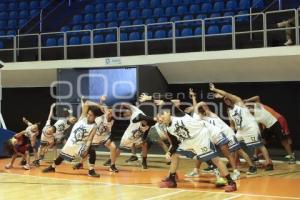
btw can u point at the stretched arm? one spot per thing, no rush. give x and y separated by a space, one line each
174 144
91 136
252 99
231 122
51 111
26 121
233 98
193 97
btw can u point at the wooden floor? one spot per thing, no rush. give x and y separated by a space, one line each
132 183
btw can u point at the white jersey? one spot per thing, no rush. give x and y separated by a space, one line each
46 138
263 116
103 131
30 134
242 118
61 125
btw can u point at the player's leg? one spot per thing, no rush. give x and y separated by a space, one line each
92 161
252 169
11 162
196 171
114 153
170 181
226 152
133 156
27 157
144 146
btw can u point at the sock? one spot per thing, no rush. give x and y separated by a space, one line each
91 167
229 180
144 159
217 173
113 165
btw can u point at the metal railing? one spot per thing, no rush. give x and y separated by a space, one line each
262 29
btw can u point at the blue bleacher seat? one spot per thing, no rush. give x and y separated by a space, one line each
112 24
188 2
176 2
182 10
110 37
99 8
149 21
158 12
154 3
121 5
88 27
198 31
23 5
218 7
149 35
88 18
188 17
213 29
1 45
76 27
231 5
11 32
64 29
215 21
134 14
206 8
170 11
201 16
137 22
13 14
22 22
98 39
100 17
85 39
187 32
160 34
99 1
175 18
3 25
146 13
228 14
123 36
34 5
112 16
89 9
12 24
125 23
132 5
243 18
34 13
162 20
144 4
12 6
244 4
166 3
44 3
134 36
110 6
3 15
258 4
123 15
2 6
77 19
100 25
226 29
23 14
50 42
194 9
60 41
201 1
170 33
2 33
74 40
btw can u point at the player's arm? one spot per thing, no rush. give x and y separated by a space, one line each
235 99
17 135
26 121
252 99
231 122
91 136
50 113
174 144
192 95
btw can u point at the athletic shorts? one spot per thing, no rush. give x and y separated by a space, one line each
22 148
200 147
250 136
128 142
274 130
100 139
284 125
71 151
46 141
154 136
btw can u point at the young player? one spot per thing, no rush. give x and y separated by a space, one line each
245 124
273 123
79 142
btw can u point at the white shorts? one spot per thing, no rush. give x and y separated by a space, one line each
233 141
127 141
250 136
200 147
100 139
71 151
47 140
59 136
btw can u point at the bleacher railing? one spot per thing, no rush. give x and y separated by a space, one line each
263 28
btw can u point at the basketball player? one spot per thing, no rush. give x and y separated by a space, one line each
245 124
79 142
47 137
203 112
135 136
19 146
274 124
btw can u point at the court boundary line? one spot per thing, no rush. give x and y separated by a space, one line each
152 187
165 195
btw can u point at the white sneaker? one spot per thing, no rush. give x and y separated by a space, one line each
26 167
288 43
8 166
289 156
235 175
192 174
